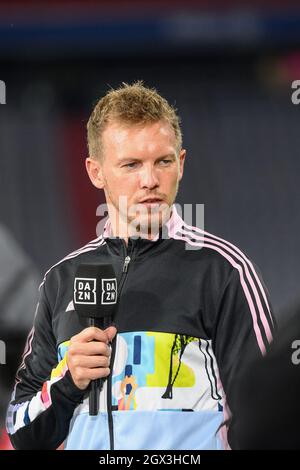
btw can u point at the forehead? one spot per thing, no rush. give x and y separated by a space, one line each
149 137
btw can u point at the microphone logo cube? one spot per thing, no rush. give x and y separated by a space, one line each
85 290
109 291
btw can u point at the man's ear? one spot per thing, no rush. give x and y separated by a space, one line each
94 170
181 162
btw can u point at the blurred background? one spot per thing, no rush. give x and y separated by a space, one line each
227 66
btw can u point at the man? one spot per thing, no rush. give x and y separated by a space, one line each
187 319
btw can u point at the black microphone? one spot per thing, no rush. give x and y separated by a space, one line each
95 299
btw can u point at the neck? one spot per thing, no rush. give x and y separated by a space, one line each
121 228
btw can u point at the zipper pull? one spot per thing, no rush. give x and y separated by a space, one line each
126 263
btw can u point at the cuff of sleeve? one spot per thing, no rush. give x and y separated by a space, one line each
69 389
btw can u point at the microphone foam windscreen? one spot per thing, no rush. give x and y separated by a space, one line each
95 290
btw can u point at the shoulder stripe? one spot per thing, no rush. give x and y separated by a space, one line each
206 243
93 245
245 262
239 253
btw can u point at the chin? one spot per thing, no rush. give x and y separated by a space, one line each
152 224
150 219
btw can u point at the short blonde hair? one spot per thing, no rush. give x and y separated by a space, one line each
130 105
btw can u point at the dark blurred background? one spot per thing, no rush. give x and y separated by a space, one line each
227 66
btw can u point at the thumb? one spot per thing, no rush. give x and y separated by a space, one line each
111 332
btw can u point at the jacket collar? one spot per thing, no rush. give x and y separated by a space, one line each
141 245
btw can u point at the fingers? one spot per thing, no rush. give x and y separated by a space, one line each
88 356
91 333
94 374
82 376
89 349
111 332
91 362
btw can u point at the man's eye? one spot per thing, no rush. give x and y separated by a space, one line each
165 161
130 165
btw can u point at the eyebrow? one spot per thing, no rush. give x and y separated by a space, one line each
134 159
170 155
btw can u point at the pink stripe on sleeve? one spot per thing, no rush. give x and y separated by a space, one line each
243 283
249 278
236 249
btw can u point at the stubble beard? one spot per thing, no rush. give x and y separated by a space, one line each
138 220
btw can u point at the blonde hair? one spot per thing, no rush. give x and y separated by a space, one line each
130 105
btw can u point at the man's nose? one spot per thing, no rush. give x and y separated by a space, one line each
149 178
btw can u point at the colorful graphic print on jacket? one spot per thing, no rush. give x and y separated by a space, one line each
163 371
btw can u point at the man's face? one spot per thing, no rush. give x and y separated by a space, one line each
140 166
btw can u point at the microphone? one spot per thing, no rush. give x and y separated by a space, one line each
95 299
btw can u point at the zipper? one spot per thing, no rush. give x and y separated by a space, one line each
126 263
127 260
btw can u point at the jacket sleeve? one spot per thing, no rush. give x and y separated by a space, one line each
243 332
44 397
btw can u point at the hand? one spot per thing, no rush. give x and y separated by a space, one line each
88 356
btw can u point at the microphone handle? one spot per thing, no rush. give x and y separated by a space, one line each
96 385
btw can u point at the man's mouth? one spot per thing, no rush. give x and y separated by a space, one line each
152 200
